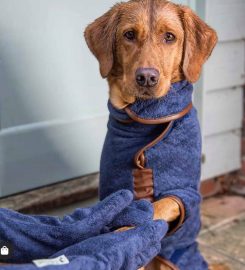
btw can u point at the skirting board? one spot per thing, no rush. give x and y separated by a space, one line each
47 153
77 190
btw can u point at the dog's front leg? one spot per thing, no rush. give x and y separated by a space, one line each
171 210
167 209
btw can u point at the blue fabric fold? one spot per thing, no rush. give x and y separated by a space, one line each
131 249
135 214
35 237
175 161
128 250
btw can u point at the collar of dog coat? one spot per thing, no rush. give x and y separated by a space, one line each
174 105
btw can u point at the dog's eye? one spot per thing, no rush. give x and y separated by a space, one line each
130 35
169 37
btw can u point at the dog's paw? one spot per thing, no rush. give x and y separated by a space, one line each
218 267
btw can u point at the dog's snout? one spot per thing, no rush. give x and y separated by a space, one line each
147 77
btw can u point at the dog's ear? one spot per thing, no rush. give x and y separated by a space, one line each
200 40
100 38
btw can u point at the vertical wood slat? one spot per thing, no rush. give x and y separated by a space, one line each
222 153
226 66
221 81
223 111
227 17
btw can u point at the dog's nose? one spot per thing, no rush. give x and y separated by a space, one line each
147 77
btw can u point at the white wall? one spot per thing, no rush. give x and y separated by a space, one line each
52 99
221 87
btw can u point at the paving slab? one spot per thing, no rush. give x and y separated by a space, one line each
228 239
217 211
225 244
221 261
222 238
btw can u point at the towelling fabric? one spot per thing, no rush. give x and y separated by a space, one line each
153 148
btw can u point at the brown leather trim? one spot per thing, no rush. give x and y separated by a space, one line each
167 263
139 158
143 184
174 226
162 120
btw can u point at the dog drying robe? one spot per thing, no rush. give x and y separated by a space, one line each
153 148
38 237
81 239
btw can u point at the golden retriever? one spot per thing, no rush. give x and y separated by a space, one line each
143 46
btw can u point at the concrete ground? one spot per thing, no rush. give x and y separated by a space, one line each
222 238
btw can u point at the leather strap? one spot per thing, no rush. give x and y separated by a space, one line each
139 158
167 263
143 178
143 184
161 120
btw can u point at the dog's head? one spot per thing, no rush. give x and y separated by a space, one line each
145 45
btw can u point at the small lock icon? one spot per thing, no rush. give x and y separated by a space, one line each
4 251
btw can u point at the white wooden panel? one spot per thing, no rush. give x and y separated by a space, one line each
220 101
227 18
222 154
223 110
46 69
45 153
52 97
225 68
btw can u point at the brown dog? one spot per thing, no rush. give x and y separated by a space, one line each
143 46
170 40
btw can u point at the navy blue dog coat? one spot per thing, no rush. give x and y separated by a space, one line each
153 148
